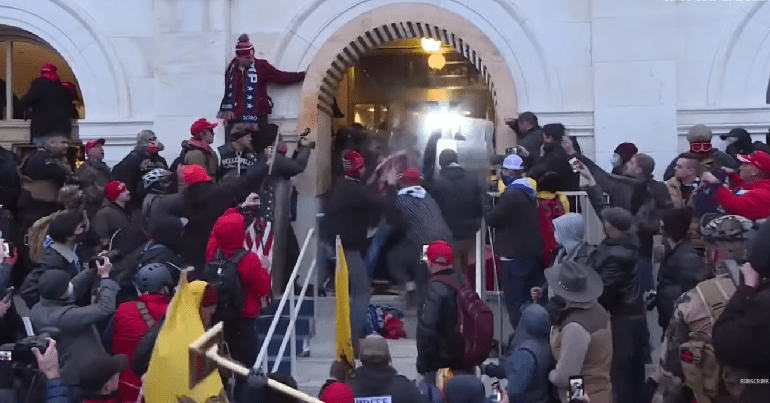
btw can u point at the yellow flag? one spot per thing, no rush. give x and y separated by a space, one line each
168 375
344 339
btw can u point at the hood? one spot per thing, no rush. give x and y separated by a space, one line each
453 172
534 324
229 232
465 389
374 380
167 231
569 230
623 248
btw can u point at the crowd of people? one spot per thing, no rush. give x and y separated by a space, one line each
97 254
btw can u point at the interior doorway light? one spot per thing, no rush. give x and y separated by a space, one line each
430 44
436 61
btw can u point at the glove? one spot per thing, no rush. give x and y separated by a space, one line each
256 385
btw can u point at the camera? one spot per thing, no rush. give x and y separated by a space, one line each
114 255
20 353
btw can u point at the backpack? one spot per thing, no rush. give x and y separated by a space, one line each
547 210
475 322
702 372
224 278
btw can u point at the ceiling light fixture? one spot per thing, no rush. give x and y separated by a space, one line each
430 44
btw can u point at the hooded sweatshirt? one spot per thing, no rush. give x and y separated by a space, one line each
569 230
531 359
384 381
464 389
228 235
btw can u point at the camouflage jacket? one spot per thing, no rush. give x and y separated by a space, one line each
690 315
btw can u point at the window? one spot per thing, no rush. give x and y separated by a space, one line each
21 56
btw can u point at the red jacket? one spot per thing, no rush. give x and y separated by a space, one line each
753 202
129 327
228 234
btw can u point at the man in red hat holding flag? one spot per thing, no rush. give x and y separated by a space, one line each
246 80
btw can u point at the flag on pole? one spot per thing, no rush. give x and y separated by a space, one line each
168 374
344 338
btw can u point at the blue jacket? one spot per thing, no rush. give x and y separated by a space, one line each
56 391
530 359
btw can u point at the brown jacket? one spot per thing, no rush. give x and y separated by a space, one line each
196 156
598 359
93 176
675 190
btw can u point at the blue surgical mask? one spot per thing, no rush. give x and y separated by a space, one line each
507 180
616 161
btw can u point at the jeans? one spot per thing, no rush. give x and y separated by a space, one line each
358 283
242 338
375 247
519 276
644 264
630 338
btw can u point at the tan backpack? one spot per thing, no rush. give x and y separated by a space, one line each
709 380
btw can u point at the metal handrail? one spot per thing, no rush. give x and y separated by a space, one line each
262 357
291 332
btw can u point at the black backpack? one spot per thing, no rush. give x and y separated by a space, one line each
223 276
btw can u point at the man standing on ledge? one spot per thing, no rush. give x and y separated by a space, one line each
246 80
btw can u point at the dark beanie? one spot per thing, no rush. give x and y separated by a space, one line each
464 389
626 151
447 157
167 231
759 253
53 284
676 223
618 217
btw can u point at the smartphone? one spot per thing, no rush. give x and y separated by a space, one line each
511 150
576 389
575 164
9 293
7 249
425 253
498 393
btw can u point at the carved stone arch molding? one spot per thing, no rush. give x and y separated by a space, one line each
70 30
741 66
329 37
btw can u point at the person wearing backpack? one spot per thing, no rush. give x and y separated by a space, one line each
134 318
240 282
439 343
689 366
551 204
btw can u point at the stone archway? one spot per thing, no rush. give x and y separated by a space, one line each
733 81
69 29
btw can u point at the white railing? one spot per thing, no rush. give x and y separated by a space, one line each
262 357
582 205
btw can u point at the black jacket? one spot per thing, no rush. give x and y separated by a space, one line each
40 165
532 141
517 229
461 199
648 201
556 160
130 171
615 260
51 105
681 270
202 205
383 381
740 337
234 163
349 209
439 345
50 259
157 206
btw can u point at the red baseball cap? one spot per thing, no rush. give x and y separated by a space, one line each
440 252
759 159
201 125
411 177
193 174
93 143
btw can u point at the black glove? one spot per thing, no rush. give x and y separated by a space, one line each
256 385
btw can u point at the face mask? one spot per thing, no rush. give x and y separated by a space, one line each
507 180
616 161
153 149
732 140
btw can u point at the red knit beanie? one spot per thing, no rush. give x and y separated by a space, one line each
338 393
193 174
244 47
113 190
353 164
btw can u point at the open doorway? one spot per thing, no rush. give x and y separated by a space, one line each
403 92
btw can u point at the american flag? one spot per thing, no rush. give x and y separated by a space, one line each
259 240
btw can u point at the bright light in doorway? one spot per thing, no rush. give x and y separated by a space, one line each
443 120
436 61
431 45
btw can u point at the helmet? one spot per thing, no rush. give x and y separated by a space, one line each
153 277
727 237
156 176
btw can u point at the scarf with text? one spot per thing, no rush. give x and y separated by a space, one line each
241 96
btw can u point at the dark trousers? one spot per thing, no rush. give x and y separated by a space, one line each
630 338
242 338
519 276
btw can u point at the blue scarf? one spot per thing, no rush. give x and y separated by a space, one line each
528 191
233 81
